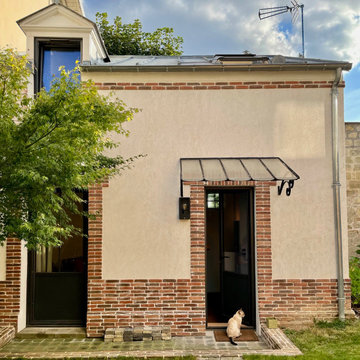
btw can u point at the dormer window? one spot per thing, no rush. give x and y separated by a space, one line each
51 54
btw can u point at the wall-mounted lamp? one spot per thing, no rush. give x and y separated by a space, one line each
184 208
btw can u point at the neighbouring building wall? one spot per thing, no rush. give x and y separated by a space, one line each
147 250
11 11
352 144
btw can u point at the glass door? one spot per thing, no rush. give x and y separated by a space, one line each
57 280
230 256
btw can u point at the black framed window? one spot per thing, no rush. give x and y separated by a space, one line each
50 55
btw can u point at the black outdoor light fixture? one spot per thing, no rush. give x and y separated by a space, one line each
184 208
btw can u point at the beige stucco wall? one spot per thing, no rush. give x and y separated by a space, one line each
3 262
143 237
23 288
11 11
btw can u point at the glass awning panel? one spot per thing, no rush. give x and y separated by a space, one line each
236 169
191 170
257 170
279 169
213 170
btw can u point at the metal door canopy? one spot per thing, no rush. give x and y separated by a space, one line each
238 169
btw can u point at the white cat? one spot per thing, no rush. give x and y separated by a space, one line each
234 325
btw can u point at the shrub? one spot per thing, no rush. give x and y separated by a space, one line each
354 271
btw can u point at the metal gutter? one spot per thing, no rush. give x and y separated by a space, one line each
213 67
336 193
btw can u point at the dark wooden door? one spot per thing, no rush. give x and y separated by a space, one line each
57 290
230 255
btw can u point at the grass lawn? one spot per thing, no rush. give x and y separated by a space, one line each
324 341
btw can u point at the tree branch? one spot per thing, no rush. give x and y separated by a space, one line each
42 136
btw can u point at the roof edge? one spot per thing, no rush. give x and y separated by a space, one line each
218 67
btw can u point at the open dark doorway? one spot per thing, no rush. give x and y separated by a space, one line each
230 270
57 279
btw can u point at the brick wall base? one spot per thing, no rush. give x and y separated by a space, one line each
10 288
297 302
147 303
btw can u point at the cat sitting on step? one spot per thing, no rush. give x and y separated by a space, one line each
234 325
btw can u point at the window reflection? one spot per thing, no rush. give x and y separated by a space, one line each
213 201
69 257
53 58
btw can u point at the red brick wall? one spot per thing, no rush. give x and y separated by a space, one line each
180 303
297 302
222 85
10 288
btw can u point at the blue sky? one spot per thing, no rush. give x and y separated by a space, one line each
332 30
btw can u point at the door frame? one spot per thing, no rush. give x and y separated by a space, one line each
30 321
253 247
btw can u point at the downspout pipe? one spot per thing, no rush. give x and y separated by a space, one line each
336 192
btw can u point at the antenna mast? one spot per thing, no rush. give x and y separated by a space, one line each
294 11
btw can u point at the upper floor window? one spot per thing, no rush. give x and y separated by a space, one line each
51 54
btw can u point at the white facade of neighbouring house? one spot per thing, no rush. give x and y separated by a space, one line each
221 133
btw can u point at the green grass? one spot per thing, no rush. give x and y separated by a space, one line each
324 341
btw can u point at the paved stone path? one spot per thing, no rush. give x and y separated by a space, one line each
202 347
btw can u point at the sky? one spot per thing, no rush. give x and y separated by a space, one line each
209 27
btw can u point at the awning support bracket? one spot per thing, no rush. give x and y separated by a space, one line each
288 190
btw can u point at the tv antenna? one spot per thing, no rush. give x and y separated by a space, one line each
294 11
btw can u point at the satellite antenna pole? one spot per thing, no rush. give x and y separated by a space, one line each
294 11
302 29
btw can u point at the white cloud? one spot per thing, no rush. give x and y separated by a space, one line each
332 28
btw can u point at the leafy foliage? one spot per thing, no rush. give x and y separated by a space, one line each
354 272
130 39
335 324
54 141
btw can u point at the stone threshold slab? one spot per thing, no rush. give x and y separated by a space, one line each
52 332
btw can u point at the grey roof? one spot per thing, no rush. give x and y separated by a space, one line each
221 62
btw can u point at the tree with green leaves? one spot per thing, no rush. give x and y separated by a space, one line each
130 39
56 140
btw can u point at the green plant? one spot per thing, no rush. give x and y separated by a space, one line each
354 272
130 39
335 324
